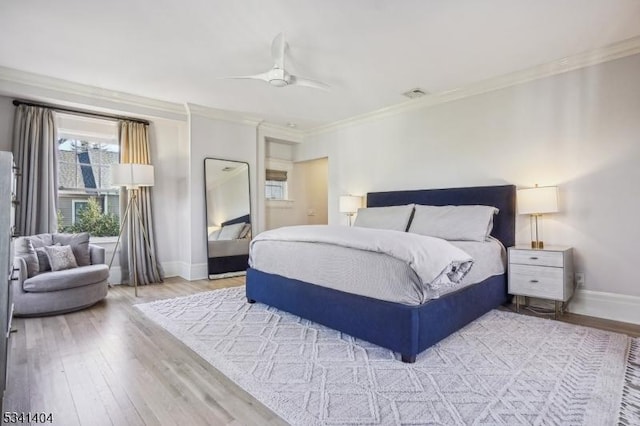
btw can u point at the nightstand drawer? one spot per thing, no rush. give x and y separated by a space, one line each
536 257
535 281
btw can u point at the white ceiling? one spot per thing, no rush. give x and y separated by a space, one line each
369 51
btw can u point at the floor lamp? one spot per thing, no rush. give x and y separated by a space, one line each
132 176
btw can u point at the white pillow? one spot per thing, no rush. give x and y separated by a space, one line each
454 223
214 235
61 257
231 232
245 231
395 218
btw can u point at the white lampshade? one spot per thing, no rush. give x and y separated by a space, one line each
538 200
131 175
350 204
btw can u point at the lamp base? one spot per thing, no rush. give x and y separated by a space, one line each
537 245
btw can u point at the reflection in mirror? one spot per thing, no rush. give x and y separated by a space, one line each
228 212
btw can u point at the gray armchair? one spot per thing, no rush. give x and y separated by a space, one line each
57 292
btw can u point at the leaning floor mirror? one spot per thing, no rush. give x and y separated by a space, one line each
228 210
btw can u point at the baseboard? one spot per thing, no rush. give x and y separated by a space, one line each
115 275
611 306
192 272
199 271
171 269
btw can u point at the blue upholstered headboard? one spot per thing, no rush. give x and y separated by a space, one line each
242 219
503 197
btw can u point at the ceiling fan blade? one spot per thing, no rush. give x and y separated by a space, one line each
263 76
297 81
278 47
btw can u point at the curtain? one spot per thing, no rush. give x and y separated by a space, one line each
134 148
35 152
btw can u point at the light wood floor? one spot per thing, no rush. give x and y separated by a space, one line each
111 365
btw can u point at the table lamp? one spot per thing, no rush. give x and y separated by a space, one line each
349 205
536 202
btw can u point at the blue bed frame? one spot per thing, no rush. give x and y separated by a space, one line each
401 328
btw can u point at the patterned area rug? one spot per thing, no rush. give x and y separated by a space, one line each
503 368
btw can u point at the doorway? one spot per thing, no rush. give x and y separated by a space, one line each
307 196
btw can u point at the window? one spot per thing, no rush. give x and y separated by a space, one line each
86 200
78 207
275 186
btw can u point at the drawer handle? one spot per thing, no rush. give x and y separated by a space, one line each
533 281
533 258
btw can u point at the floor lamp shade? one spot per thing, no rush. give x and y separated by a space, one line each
536 202
132 175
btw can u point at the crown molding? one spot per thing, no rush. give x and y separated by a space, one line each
14 82
10 77
582 60
266 129
285 133
222 114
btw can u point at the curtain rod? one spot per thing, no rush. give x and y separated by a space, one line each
17 102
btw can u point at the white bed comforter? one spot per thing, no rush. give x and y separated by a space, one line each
436 262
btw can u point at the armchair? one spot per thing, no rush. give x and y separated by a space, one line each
57 292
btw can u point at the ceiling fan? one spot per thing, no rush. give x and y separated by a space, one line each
278 75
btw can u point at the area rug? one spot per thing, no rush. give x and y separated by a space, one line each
503 368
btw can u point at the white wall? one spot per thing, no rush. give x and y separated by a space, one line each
211 137
170 161
580 130
283 151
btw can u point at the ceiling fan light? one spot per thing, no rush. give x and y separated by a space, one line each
278 82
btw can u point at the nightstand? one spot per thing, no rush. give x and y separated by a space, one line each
543 273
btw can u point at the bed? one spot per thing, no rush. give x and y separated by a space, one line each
229 255
402 328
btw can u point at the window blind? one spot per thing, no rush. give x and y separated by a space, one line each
276 175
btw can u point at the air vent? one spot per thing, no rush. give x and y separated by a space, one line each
415 93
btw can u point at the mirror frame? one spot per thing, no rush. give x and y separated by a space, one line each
206 214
